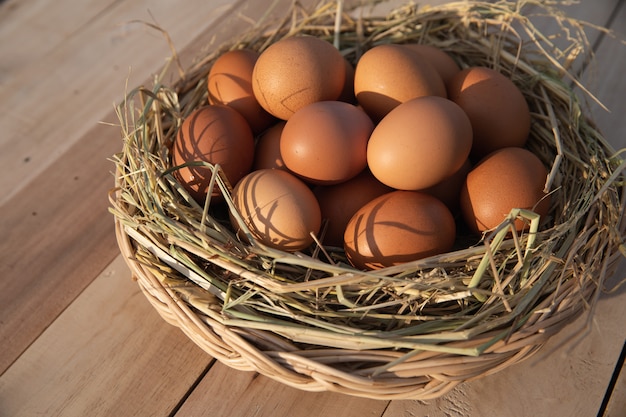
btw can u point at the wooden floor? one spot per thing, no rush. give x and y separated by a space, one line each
77 338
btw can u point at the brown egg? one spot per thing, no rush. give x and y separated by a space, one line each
347 94
398 227
326 142
216 134
339 202
505 179
438 58
449 190
297 71
496 107
230 83
419 143
267 150
389 74
278 208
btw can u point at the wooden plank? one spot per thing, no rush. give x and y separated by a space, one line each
62 210
611 93
589 14
57 235
51 104
33 28
615 398
225 392
108 354
606 80
603 77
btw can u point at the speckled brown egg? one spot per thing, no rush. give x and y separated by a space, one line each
387 75
267 149
326 142
297 71
339 202
278 209
505 179
445 65
398 227
230 83
496 107
419 143
216 134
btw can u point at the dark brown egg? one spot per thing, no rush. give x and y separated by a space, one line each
230 83
496 107
398 227
505 179
347 94
216 134
267 150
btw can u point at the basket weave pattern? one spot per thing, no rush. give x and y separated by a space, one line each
413 331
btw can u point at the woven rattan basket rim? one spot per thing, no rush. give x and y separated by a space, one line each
384 366
425 376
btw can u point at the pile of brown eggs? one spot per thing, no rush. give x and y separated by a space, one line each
387 154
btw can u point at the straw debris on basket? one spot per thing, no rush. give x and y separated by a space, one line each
500 295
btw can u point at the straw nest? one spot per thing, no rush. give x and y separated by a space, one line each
411 331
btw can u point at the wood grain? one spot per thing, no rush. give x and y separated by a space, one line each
606 80
57 236
611 85
39 28
108 354
616 394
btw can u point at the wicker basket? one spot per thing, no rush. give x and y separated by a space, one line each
409 332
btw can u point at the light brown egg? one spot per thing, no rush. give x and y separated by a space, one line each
230 83
278 208
339 202
419 143
295 72
438 58
387 75
267 150
398 227
505 179
496 107
326 142
216 134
